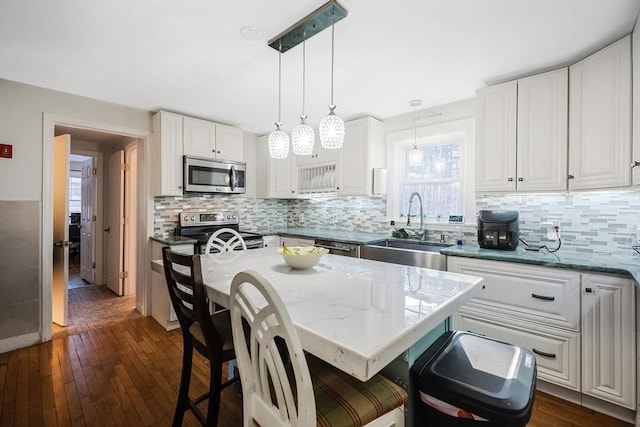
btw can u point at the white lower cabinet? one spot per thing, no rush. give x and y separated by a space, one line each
582 327
557 351
161 308
608 339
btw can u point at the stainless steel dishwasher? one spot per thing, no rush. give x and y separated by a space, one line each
339 248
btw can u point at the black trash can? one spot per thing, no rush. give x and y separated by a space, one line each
465 379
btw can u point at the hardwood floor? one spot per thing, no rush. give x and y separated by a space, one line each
128 374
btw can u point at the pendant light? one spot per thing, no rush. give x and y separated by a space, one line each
279 139
302 135
332 126
415 155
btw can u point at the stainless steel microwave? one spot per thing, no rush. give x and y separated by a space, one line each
213 176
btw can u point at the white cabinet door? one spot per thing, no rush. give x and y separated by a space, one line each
166 154
320 155
496 137
275 178
600 118
271 241
199 138
542 132
635 56
557 351
229 143
363 150
609 336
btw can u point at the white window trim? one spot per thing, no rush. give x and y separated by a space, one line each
396 141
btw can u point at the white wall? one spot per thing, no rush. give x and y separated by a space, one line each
21 112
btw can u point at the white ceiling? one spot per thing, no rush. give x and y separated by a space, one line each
188 56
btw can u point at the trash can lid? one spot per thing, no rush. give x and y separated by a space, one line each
492 378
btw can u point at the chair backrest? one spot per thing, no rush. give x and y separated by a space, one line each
268 383
189 299
223 245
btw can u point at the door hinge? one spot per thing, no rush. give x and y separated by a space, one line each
124 274
94 171
94 218
124 166
93 265
124 221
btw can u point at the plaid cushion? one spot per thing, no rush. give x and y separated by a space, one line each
342 400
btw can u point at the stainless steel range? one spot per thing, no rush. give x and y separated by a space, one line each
200 225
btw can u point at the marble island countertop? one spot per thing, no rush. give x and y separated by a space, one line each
355 314
616 264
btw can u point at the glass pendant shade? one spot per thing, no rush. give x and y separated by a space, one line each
278 143
332 130
415 156
302 138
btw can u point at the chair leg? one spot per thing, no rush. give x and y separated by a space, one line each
185 379
215 382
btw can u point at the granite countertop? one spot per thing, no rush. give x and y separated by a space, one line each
353 237
174 240
626 265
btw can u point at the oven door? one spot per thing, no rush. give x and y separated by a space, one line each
213 176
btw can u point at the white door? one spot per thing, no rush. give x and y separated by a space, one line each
61 149
87 222
113 225
131 213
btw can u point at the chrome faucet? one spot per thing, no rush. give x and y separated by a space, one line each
422 233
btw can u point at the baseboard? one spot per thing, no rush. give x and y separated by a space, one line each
590 402
21 341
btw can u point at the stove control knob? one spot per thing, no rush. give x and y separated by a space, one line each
233 216
192 218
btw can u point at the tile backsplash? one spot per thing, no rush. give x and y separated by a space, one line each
589 222
594 222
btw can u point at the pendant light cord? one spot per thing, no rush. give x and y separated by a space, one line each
280 83
333 24
304 61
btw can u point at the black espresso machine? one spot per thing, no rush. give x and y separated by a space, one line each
498 230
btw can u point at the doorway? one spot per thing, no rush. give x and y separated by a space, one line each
96 143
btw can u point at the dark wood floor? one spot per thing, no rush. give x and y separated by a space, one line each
128 373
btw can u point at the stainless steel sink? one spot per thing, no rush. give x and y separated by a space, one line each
407 252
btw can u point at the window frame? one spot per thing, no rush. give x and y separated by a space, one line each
433 134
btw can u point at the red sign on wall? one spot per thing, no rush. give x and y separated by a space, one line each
6 150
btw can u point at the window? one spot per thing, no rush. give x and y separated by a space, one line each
75 193
444 179
438 179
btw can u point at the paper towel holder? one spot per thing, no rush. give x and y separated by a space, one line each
379 181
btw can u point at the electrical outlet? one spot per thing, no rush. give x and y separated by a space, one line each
357 220
550 226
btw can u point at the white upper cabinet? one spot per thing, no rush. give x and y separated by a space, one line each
166 154
600 119
319 156
521 139
496 137
363 150
229 143
635 46
203 138
275 178
542 132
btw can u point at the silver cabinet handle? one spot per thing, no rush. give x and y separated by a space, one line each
635 163
62 244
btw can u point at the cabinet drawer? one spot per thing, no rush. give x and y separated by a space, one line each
557 351
537 294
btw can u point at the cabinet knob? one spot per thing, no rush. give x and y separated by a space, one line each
588 290
520 179
569 176
218 151
510 179
292 191
635 163
337 188
180 187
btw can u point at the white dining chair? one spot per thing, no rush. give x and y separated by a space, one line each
283 386
225 249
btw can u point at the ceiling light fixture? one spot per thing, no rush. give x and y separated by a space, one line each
415 155
332 126
278 139
302 135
